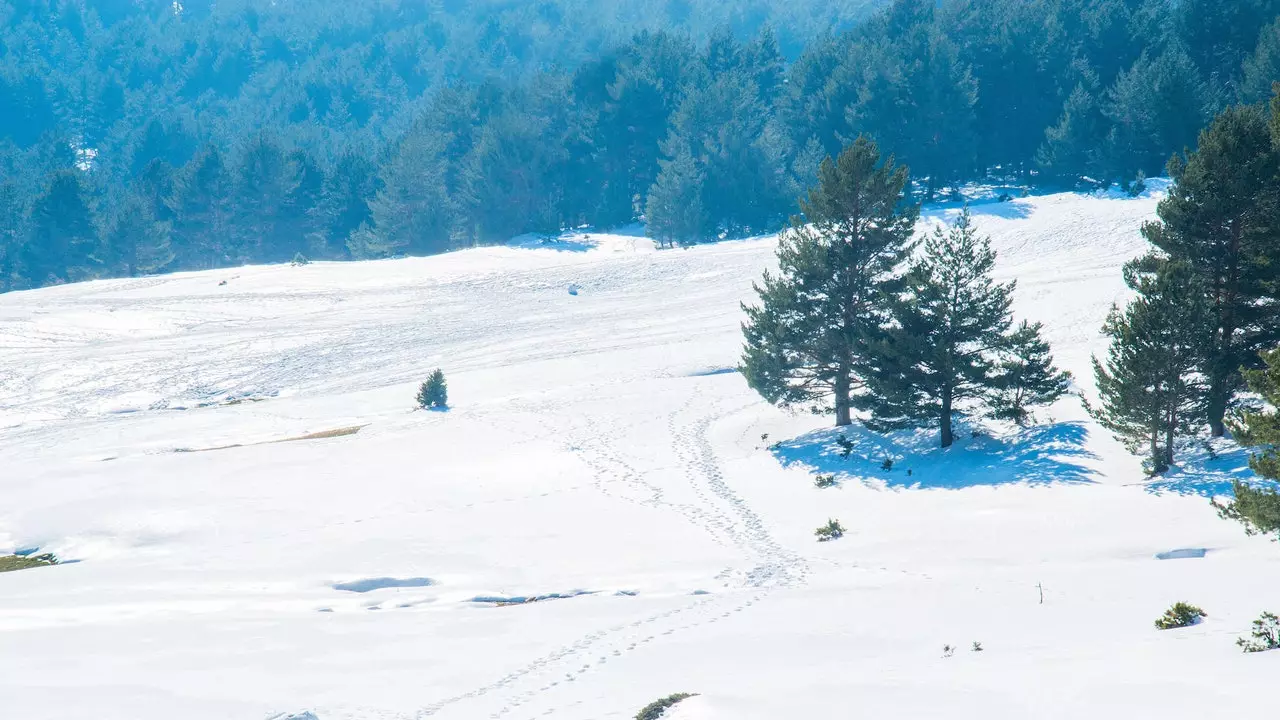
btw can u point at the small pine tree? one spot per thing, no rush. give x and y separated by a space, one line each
1025 377
434 393
1150 387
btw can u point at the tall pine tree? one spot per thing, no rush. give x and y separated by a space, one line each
1150 387
941 356
1220 219
808 341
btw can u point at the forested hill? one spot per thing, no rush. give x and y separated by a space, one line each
144 136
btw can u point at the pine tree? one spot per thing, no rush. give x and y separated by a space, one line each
265 179
940 357
13 221
344 203
411 212
434 393
1025 376
63 238
807 341
1158 104
202 204
1150 388
1258 508
1219 219
1262 68
137 243
674 211
1073 147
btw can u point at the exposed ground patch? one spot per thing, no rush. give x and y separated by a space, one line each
9 563
321 435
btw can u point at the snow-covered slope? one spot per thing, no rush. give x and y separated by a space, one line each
600 448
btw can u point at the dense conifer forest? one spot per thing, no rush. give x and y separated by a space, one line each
145 136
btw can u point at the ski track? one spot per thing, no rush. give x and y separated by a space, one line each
720 513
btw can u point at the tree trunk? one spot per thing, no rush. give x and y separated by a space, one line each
1155 452
947 437
843 417
1217 405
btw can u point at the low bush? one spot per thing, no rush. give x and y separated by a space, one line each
1179 615
655 709
825 481
1265 635
833 530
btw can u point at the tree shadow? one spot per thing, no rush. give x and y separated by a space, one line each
569 242
1042 455
1199 471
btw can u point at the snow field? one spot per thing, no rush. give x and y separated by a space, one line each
594 445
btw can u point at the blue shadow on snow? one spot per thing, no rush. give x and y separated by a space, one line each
1196 471
1041 455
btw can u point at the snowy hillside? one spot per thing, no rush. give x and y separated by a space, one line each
599 448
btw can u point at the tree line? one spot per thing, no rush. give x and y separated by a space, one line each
147 137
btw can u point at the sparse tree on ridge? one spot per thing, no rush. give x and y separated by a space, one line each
1150 387
808 340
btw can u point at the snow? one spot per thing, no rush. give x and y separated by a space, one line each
601 458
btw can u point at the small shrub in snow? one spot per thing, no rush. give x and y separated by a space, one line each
846 446
299 259
434 393
1265 635
948 651
825 481
655 709
977 646
833 530
1179 615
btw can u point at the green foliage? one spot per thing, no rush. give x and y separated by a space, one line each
824 481
1258 428
657 708
833 530
1150 387
1258 509
1265 635
434 393
1219 220
1025 377
808 341
943 354
1180 615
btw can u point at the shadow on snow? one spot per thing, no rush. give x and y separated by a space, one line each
1198 471
1041 455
